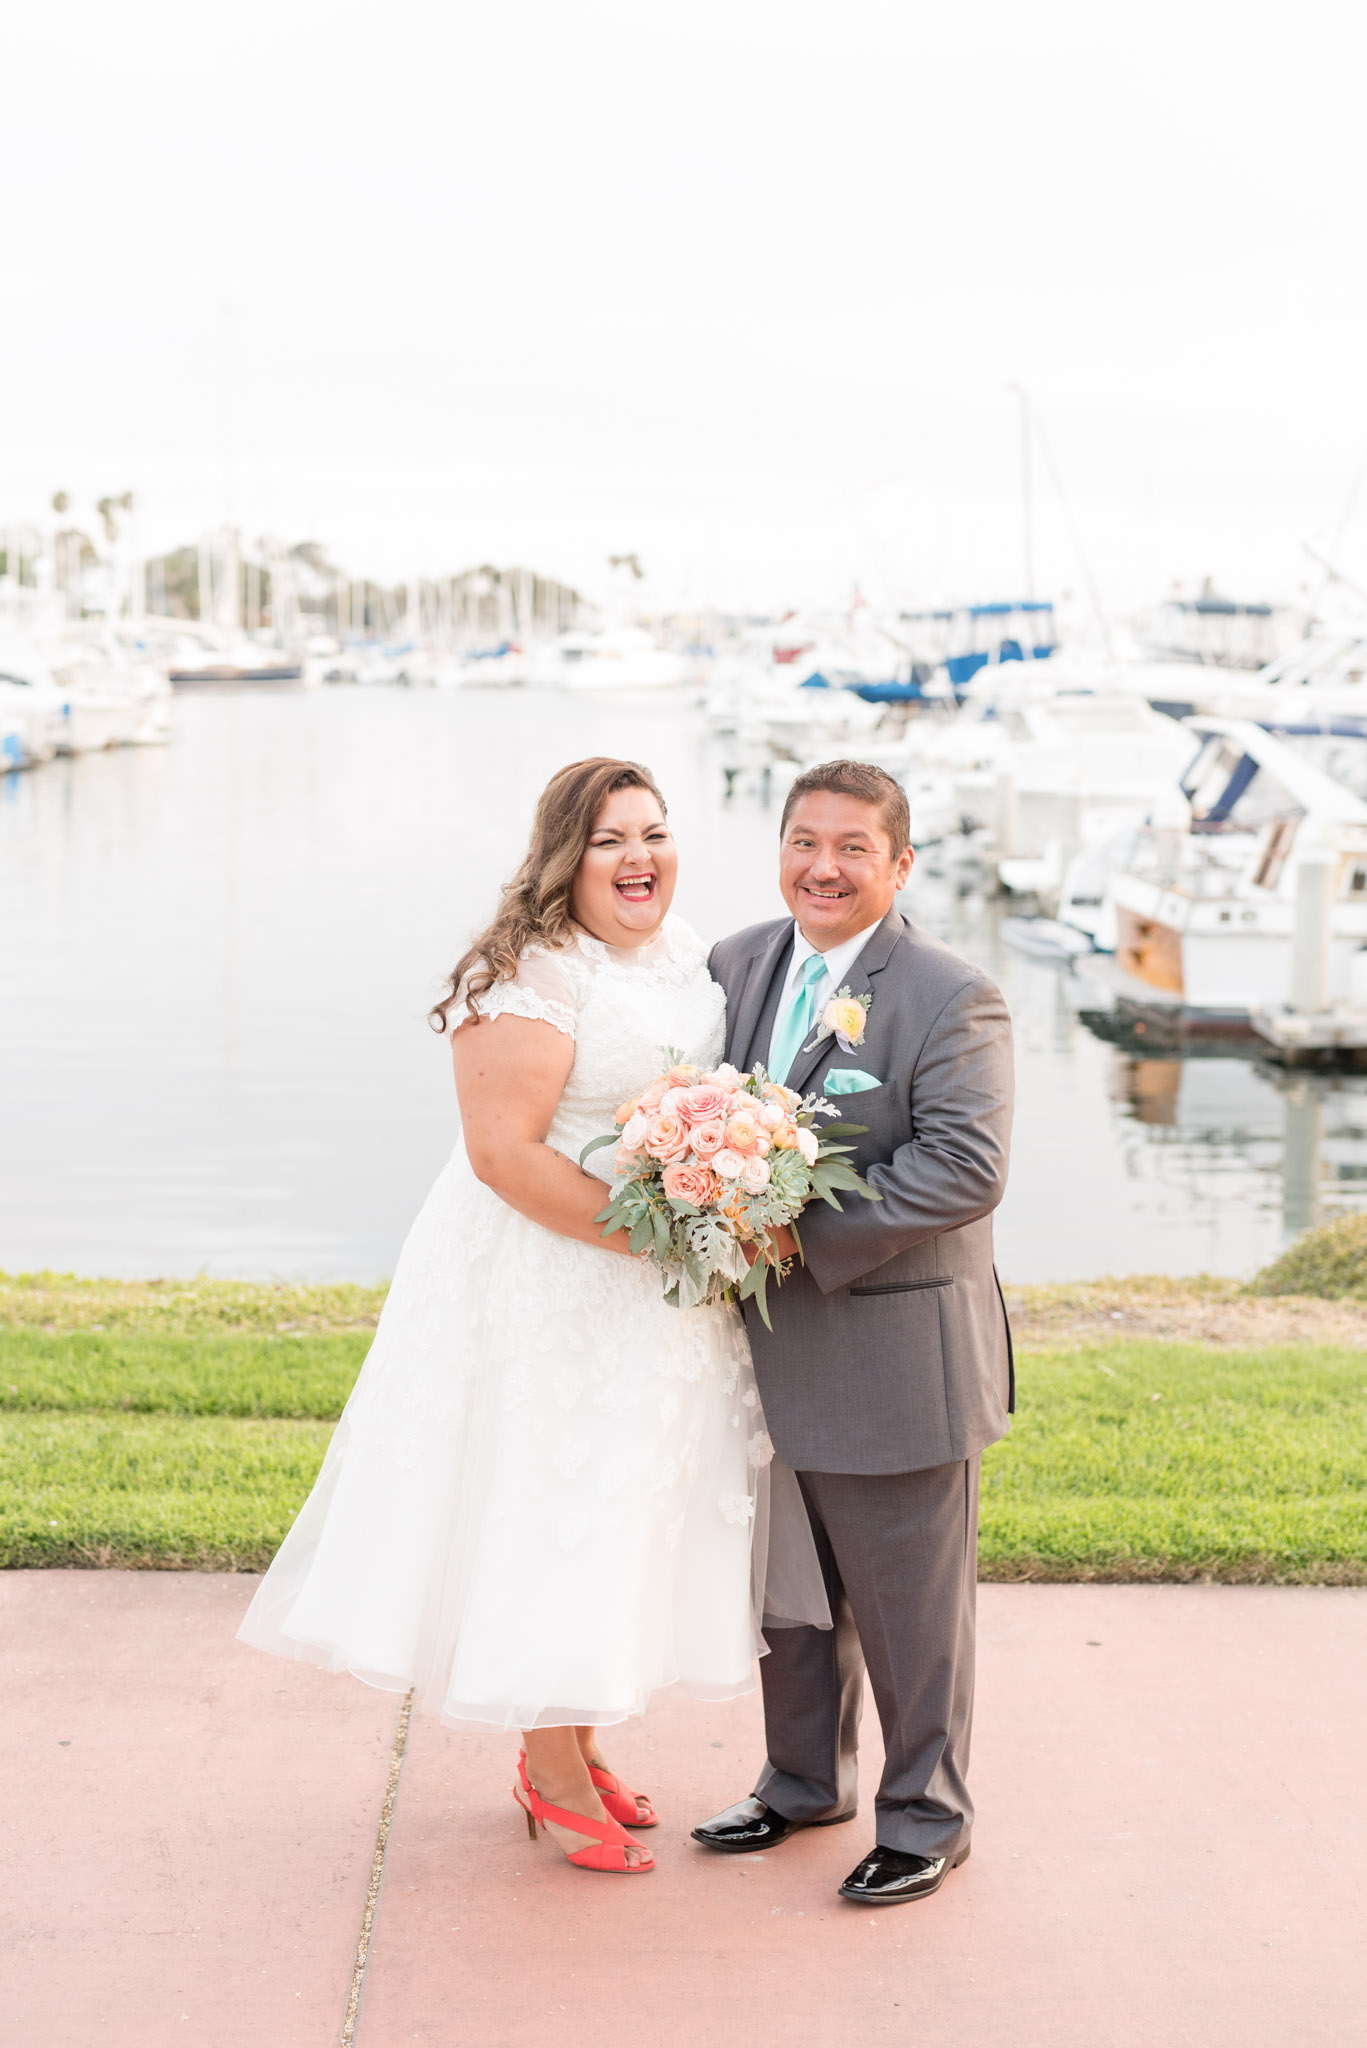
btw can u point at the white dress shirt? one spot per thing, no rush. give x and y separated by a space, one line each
839 961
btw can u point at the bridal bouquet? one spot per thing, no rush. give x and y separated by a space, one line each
709 1162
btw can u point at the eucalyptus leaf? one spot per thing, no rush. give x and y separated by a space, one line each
597 1144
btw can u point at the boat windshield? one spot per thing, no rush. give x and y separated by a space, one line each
1229 791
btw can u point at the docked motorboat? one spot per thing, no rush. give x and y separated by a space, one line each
204 658
1210 898
1047 772
615 658
30 719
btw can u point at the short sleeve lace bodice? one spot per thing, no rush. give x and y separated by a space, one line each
541 991
626 1010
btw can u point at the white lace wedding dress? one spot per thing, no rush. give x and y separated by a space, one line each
538 1505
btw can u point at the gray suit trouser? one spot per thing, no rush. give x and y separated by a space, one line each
899 1552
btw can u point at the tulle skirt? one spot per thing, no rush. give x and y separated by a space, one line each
540 1503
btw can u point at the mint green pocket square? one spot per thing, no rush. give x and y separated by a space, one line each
848 1081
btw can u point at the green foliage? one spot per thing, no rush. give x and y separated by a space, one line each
198 1493
1330 1262
182 1425
134 1371
62 1301
1179 1461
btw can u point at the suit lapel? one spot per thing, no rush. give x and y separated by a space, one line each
750 997
866 968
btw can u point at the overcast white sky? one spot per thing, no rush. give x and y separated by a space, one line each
738 284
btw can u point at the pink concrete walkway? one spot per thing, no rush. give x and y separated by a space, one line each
1171 1851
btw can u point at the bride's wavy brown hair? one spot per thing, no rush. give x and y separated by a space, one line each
535 905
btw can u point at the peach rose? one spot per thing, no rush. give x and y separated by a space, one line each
702 1105
737 1215
683 1076
742 1133
708 1138
654 1095
666 1139
770 1115
785 1135
627 1111
695 1184
725 1076
755 1177
634 1130
670 1100
728 1164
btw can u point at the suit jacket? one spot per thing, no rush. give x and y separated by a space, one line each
890 1348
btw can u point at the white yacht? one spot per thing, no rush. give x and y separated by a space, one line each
1208 897
614 658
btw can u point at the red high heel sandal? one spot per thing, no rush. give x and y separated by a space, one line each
621 1802
608 1851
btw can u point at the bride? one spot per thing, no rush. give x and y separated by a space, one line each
537 1508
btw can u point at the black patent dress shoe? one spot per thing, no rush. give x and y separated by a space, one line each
893 1877
751 1825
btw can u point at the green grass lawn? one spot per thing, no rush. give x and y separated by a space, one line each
181 1426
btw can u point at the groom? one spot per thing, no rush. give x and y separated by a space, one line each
889 1366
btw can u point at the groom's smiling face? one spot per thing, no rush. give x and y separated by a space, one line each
836 867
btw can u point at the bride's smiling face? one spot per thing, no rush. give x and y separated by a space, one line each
625 882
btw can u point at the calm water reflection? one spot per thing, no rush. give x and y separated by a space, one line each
217 956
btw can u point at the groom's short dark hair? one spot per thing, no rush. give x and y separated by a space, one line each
858 779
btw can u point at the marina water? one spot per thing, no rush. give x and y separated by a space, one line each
218 954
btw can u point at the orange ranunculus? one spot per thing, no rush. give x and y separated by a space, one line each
695 1184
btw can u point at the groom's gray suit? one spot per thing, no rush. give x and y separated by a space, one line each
888 1371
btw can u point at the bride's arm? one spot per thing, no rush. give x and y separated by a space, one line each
510 1074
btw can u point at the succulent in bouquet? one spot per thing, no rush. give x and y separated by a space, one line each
708 1163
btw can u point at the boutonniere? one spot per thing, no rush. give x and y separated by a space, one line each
843 1019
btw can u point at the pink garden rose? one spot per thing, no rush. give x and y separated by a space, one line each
695 1184
769 1115
666 1139
653 1096
708 1138
755 1176
701 1105
728 1164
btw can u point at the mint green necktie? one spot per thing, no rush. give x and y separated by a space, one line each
798 1018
